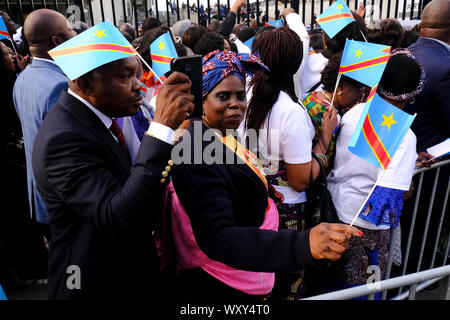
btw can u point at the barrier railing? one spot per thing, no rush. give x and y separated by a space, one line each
408 280
255 13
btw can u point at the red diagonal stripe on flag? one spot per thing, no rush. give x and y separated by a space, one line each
375 143
335 16
4 33
162 59
93 47
372 93
363 64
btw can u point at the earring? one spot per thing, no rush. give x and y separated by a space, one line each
339 93
412 100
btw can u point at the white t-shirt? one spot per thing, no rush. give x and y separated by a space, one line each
352 178
314 65
286 134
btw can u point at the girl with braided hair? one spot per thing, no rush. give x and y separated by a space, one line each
285 134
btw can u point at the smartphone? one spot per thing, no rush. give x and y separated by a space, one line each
192 67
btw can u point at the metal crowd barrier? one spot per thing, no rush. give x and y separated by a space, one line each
411 279
256 12
420 279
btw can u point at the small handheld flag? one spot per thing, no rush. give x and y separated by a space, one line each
364 61
335 18
101 44
379 132
162 52
249 42
3 30
276 23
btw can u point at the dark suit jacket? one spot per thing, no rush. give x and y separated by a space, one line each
226 204
101 210
432 105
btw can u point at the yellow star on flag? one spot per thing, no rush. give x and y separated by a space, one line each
358 53
339 6
388 121
161 46
100 33
277 23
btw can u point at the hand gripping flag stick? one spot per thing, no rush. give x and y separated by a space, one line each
379 174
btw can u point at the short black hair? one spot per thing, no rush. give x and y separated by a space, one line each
209 42
316 43
150 23
402 75
246 33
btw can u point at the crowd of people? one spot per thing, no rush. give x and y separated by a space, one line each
92 169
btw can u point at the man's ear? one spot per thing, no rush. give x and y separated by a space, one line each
84 83
56 40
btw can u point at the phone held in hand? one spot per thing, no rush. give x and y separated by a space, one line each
192 67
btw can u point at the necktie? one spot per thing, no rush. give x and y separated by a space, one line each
117 132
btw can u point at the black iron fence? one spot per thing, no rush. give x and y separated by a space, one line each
255 13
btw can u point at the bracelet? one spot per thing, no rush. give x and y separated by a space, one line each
322 158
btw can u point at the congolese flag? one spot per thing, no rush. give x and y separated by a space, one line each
249 42
90 49
162 52
364 61
335 18
3 30
276 23
379 132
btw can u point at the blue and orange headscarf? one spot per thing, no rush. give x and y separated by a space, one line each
218 65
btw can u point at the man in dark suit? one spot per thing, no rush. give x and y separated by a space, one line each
431 126
432 50
101 208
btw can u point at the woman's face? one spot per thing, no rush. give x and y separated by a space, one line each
8 56
225 105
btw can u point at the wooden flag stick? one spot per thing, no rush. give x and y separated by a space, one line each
363 35
14 48
367 198
150 68
335 88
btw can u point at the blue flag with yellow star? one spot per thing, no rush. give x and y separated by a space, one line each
3 30
162 52
249 42
379 132
335 18
101 44
364 61
276 23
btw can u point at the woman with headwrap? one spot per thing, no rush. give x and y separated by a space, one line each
224 220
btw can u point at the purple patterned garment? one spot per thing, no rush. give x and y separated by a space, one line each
218 65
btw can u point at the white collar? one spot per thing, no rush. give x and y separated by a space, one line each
107 121
47 60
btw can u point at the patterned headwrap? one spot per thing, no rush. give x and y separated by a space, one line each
218 65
